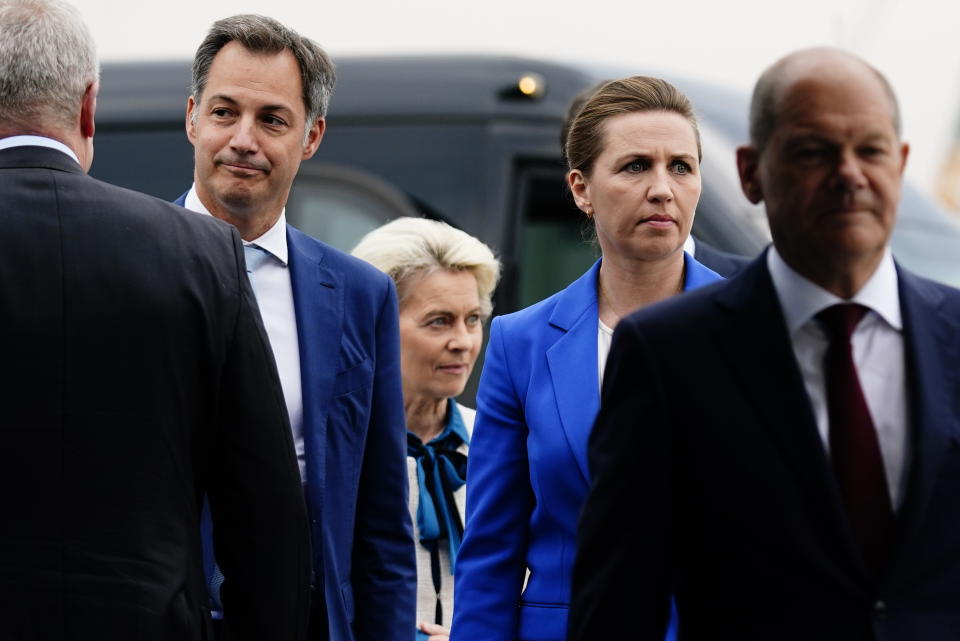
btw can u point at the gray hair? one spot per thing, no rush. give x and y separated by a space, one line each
409 248
260 34
766 94
47 61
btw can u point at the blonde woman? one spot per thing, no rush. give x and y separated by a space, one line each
445 280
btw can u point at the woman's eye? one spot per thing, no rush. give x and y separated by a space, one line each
473 319
681 167
637 166
440 321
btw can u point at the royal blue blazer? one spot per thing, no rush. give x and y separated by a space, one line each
538 397
355 440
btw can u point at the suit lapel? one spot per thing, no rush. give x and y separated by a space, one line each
573 364
318 304
930 343
770 379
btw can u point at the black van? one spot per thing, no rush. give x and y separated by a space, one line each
472 140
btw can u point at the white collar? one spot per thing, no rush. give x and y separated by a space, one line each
274 240
37 141
801 299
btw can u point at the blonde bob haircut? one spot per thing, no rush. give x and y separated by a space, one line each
408 248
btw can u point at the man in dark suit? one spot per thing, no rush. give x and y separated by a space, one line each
724 263
781 452
136 378
259 96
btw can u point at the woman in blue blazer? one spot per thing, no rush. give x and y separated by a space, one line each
633 150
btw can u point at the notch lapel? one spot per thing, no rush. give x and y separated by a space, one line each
573 365
318 304
930 343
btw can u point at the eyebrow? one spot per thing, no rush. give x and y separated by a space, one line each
646 156
225 98
437 311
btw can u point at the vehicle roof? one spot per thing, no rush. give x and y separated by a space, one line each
467 87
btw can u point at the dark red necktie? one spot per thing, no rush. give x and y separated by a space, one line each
854 447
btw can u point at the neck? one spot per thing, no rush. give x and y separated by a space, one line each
843 278
425 416
625 286
250 222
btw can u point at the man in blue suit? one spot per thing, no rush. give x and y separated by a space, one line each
781 452
259 96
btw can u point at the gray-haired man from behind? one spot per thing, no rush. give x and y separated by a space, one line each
136 378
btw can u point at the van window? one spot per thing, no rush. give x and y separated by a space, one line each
339 205
551 247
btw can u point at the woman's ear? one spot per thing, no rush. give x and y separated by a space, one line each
580 190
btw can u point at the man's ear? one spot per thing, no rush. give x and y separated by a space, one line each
904 152
191 129
314 136
747 166
88 110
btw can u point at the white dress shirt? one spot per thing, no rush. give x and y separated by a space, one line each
37 141
274 290
877 352
604 340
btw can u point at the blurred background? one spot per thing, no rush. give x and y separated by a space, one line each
729 43
454 111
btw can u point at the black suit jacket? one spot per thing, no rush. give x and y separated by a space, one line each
711 482
724 263
135 377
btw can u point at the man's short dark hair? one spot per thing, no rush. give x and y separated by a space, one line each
260 34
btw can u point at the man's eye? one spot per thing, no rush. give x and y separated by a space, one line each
808 152
274 121
221 112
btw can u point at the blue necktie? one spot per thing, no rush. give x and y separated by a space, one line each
255 256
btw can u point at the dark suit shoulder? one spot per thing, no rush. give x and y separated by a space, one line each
152 211
689 310
931 290
724 263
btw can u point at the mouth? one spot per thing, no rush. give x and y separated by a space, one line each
241 169
659 221
454 368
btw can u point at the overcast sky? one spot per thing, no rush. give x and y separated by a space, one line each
914 43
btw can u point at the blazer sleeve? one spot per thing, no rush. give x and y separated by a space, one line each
261 532
491 563
621 577
384 564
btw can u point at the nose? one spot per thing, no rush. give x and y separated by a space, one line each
659 190
244 139
849 174
460 338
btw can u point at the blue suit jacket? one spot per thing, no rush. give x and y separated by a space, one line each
741 517
539 394
355 441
